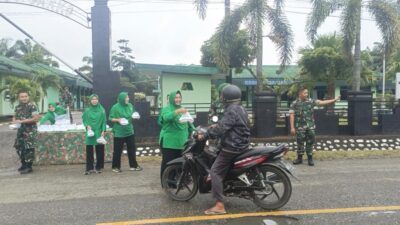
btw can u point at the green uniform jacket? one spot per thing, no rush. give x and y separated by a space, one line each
95 117
51 116
122 110
173 133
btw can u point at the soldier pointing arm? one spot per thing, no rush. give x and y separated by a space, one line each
302 123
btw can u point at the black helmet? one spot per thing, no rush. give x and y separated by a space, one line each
231 93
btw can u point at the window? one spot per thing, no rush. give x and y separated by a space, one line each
187 86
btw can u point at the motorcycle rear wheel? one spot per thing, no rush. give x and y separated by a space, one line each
276 181
187 188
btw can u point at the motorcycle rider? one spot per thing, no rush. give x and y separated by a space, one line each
234 131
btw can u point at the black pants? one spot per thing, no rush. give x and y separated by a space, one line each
90 158
167 156
118 145
219 170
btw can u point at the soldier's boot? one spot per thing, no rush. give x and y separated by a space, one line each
310 160
23 166
28 169
299 160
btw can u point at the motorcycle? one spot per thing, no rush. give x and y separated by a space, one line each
259 174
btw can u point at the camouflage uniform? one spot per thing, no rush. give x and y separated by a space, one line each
25 142
304 124
216 109
67 99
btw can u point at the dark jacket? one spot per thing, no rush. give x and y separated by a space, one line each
233 129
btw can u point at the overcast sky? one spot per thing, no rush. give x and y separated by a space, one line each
160 31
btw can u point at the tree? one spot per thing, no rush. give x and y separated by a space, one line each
24 51
241 55
394 65
44 81
324 62
131 80
384 12
13 85
201 7
123 61
254 13
87 68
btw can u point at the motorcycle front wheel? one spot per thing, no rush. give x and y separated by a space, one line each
179 184
273 187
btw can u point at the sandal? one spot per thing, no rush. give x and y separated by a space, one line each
214 212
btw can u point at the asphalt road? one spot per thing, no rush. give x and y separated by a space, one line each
62 195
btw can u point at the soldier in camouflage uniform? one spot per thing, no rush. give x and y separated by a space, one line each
67 100
302 123
26 114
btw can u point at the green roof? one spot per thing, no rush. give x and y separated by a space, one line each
182 69
269 71
69 78
13 67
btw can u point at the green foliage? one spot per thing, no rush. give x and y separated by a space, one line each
324 62
14 85
44 81
24 51
87 68
214 93
254 14
241 52
385 12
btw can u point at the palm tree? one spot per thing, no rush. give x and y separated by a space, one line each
254 13
324 62
384 12
87 68
14 85
45 81
201 7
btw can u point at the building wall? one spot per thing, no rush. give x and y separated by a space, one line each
200 95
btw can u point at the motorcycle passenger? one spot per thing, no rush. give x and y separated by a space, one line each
234 131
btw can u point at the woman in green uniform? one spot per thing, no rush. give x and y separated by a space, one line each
174 133
53 111
94 119
121 118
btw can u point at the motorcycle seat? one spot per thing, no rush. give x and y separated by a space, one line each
259 150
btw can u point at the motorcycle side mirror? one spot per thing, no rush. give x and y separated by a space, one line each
214 119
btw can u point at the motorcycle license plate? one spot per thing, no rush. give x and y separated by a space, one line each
288 166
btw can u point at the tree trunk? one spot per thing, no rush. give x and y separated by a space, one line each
229 78
357 57
227 8
259 55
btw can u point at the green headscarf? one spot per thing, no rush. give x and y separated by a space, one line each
124 110
171 99
59 109
94 115
51 116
